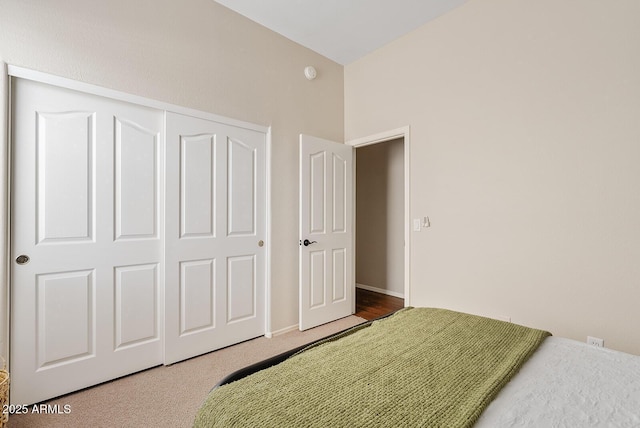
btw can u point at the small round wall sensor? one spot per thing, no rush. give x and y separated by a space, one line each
310 72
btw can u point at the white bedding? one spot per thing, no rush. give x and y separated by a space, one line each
569 384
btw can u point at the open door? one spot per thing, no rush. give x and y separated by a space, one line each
326 259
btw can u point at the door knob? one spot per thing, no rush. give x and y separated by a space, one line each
306 242
22 259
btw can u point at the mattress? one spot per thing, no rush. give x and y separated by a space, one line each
569 384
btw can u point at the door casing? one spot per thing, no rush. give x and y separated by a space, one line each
382 137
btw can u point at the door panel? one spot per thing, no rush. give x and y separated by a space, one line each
85 209
136 187
241 168
317 282
339 213
65 144
197 185
65 336
340 279
326 204
136 305
197 296
241 288
215 216
318 192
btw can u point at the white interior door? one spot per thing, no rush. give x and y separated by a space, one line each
216 226
327 282
86 198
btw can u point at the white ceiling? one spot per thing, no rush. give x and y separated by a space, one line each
342 30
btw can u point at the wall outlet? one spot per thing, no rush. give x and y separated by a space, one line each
595 341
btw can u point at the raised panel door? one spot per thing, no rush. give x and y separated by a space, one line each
86 201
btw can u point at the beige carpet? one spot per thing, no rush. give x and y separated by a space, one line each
167 396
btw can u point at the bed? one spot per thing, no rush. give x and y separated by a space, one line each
437 368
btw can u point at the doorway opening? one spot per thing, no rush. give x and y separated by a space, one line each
381 219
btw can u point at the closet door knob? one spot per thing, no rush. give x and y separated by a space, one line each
22 259
306 242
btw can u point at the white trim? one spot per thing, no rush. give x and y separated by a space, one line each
380 137
380 290
354 244
267 273
405 133
37 76
5 182
272 334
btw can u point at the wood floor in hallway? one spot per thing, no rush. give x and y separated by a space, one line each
371 305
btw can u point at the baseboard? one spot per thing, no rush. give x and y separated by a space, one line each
271 334
380 290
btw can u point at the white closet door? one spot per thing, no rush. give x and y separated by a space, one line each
86 211
215 227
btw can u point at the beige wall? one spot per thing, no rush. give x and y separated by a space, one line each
380 216
525 151
524 126
201 55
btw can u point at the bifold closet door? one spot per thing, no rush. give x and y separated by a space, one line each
87 259
215 231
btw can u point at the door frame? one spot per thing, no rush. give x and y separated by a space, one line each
8 71
383 137
5 165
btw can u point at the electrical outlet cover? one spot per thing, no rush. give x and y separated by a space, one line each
595 341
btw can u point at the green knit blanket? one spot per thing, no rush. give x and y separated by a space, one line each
421 367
